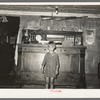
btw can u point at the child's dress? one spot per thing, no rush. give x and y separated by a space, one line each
50 62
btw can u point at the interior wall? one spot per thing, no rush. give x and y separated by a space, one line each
92 52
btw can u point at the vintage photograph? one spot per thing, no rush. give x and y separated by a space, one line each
49 46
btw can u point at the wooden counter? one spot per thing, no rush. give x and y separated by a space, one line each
72 65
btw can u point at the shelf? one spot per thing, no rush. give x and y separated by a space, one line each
55 32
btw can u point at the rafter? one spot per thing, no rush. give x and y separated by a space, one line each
31 13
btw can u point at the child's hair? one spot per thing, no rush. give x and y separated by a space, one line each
52 44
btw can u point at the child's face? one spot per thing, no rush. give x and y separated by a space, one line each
51 48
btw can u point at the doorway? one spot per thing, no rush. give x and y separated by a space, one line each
8 37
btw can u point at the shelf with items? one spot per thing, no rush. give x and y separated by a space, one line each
64 38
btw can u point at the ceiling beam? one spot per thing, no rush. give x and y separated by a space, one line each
30 13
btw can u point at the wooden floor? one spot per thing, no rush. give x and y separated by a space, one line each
8 81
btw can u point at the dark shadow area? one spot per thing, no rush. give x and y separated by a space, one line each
8 37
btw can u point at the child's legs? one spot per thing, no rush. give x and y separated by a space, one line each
47 82
52 82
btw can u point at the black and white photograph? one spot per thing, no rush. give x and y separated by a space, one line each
49 46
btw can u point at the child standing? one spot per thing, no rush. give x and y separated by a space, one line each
50 65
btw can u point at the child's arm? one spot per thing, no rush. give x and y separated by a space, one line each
58 65
43 64
57 70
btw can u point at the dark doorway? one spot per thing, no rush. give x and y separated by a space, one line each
8 37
